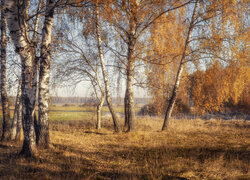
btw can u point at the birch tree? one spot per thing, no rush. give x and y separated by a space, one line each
78 62
44 75
17 18
89 18
180 70
17 15
104 72
215 26
131 20
6 131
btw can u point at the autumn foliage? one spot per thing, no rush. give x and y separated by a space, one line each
216 74
220 88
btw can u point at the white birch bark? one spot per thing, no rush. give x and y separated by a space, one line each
45 61
100 99
129 92
99 112
179 74
6 131
129 96
104 73
16 18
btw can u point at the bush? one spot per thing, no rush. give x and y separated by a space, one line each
67 105
154 110
148 109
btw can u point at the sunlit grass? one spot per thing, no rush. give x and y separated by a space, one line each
70 116
191 149
74 112
71 108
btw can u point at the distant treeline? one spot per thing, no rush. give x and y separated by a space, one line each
90 100
83 100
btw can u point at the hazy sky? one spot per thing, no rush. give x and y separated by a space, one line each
84 89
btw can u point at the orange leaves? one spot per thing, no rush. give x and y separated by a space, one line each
218 86
167 36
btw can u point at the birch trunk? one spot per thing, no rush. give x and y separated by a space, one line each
179 74
45 60
28 106
19 120
6 132
36 65
99 110
16 18
96 81
129 96
104 73
16 121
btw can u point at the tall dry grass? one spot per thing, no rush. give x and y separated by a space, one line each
191 149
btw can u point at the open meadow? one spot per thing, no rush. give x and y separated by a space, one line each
191 149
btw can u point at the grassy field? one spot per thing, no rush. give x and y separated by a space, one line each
73 112
191 149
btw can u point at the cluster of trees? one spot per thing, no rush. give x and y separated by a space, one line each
23 21
153 44
216 68
219 89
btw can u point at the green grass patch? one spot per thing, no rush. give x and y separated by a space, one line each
70 116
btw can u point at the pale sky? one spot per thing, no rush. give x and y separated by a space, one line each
84 89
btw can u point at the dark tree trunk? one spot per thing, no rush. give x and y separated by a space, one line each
126 113
6 131
19 121
16 121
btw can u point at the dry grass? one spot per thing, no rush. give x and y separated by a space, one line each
191 149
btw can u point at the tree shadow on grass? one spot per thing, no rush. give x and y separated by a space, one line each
54 164
173 162
68 162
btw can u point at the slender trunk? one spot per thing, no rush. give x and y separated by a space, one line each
15 126
96 81
126 113
99 110
6 132
16 17
43 99
173 98
37 65
179 74
104 73
19 120
34 38
130 96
